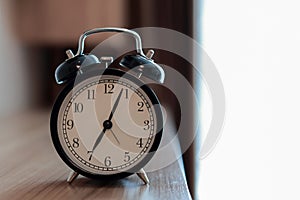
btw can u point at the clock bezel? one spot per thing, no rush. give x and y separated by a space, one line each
58 103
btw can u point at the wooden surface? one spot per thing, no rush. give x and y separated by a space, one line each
31 169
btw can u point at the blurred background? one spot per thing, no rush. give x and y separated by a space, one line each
254 44
34 36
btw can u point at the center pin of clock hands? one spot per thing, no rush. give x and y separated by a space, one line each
107 125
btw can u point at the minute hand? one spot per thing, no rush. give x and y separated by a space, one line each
115 105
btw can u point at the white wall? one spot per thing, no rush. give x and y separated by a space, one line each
13 74
255 45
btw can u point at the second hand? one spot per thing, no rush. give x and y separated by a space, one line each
115 136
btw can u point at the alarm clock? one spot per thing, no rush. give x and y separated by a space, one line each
106 123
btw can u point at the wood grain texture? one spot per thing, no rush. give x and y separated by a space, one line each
31 169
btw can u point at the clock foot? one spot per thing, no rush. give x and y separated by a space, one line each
142 174
72 176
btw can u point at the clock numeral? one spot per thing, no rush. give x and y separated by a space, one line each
108 88
70 124
107 161
91 94
147 125
126 93
75 142
140 143
141 105
78 107
126 157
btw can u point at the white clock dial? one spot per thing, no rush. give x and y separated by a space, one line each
106 126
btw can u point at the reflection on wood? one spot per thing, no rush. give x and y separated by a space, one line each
31 169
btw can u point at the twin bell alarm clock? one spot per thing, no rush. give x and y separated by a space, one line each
106 123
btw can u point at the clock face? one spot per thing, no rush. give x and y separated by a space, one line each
107 125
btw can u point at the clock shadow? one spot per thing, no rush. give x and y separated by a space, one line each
129 187
130 181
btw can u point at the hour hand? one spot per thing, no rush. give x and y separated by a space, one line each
96 143
90 152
